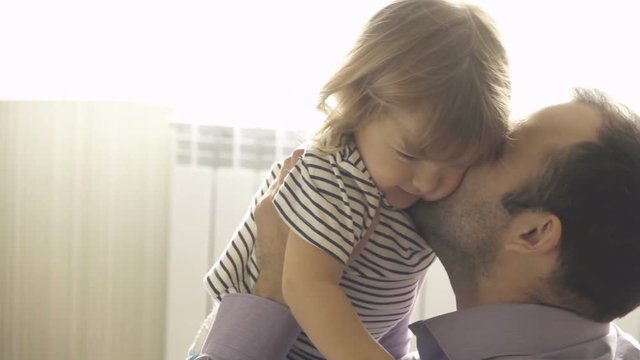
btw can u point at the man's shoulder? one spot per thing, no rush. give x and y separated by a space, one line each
627 347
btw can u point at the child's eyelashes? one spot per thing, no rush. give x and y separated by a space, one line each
406 156
411 158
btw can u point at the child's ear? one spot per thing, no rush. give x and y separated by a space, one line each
534 232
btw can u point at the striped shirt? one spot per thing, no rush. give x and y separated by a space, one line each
330 200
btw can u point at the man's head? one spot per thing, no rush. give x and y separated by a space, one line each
556 220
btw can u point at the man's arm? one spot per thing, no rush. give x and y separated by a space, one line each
397 340
258 326
250 327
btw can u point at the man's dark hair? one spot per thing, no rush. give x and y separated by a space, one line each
594 189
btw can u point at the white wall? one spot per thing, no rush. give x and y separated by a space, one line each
83 229
199 57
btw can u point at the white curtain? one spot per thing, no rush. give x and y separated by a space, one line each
83 230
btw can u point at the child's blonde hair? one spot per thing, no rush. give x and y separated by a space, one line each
442 60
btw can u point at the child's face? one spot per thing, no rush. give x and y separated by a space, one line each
403 175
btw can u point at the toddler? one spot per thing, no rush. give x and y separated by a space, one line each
422 96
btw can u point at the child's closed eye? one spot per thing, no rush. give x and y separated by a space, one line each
405 156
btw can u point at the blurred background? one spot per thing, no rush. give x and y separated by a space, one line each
134 133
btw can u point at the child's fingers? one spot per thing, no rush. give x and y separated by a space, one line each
271 242
271 236
267 218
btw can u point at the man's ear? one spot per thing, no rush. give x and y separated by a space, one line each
534 232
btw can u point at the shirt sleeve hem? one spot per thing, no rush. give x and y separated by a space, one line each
250 327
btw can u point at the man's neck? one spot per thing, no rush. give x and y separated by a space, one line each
465 287
472 292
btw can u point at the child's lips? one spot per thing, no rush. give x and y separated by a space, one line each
417 194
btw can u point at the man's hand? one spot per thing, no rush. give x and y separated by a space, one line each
271 237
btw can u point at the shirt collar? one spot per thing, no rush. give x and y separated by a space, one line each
504 330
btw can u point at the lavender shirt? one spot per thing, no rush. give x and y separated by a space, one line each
251 328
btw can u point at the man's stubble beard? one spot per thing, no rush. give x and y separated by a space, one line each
463 230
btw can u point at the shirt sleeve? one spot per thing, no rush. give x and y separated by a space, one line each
397 340
411 356
249 327
315 204
428 346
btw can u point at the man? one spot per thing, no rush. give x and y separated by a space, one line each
542 249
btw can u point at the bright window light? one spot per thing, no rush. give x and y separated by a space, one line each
262 63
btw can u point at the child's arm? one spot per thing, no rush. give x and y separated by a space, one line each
311 288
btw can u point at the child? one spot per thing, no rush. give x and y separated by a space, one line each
422 96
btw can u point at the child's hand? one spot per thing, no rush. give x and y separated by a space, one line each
271 237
